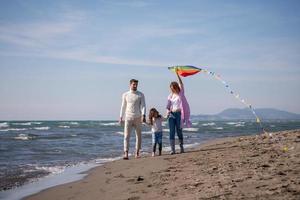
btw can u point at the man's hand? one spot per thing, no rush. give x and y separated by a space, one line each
120 121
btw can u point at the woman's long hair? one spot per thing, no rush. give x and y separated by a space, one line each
175 87
152 114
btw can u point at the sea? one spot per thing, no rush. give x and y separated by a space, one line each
48 153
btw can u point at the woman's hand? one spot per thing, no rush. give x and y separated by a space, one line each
179 79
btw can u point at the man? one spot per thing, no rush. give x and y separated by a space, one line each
134 108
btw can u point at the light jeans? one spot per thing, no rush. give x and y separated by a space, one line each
129 125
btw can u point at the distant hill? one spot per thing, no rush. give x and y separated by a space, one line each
246 114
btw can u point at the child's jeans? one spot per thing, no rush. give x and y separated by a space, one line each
157 139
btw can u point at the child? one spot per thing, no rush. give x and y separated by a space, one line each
156 127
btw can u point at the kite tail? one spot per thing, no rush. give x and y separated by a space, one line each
237 96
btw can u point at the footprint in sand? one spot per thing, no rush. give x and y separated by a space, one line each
134 198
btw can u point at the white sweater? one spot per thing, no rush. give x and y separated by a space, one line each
133 105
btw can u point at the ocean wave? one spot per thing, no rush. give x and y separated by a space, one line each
219 128
236 124
74 123
195 123
231 123
166 130
164 124
23 123
209 124
42 128
36 122
177 147
64 126
24 137
70 123
110 124
146 132
104 160
4 125
14 129
52 169
191 129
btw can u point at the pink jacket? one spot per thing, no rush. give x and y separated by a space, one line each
185 108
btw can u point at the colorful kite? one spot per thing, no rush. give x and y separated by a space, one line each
185 70
188 70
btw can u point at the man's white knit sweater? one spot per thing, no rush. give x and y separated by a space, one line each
133 105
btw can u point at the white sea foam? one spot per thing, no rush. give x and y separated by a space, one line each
42 128
231 123
70 123
23 137
52 169
104 160
166 130
64 126
110 124
23 124
195 123
120 132
146 132
164 124
186 146
191 129
218 128
4 125
14 129
209 124
236 124
36 122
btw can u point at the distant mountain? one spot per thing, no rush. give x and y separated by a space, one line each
246 114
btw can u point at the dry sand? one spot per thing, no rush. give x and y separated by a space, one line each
251 167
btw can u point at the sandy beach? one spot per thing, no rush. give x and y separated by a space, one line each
248 167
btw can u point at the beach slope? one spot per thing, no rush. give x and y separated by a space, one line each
248 167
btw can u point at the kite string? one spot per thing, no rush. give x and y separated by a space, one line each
237 96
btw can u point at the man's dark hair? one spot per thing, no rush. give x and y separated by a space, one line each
133 81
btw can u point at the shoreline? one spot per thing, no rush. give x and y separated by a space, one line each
238 167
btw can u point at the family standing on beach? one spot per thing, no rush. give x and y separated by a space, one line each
133 109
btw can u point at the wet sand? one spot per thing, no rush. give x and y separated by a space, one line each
248 167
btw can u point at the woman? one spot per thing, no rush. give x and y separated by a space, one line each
178 112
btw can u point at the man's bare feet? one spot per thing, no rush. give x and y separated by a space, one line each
137 154
125 157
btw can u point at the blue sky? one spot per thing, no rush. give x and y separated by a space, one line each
73 59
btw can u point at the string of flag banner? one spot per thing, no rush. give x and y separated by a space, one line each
188 70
